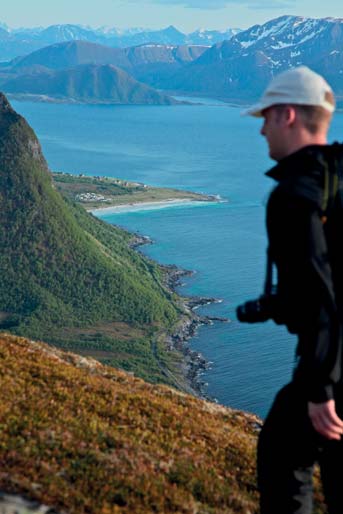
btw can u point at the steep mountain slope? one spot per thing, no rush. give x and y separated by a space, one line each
62 269
239 69
88 83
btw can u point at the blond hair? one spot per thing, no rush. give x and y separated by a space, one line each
314 118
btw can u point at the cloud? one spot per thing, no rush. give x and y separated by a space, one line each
272 5
220 4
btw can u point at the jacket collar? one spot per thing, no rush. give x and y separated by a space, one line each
304 160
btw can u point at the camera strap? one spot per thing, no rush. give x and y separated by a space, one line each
269 287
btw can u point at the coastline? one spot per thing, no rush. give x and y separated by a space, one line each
187 375
194 363
141 206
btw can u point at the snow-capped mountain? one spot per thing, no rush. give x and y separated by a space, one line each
289 39
240 67
210 37
61 33
22 31
116 32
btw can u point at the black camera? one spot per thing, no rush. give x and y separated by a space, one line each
256 311
267 306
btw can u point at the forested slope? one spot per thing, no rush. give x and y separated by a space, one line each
62 269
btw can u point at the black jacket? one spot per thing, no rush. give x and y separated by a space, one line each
303 245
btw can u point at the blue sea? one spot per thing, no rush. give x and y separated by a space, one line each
209 149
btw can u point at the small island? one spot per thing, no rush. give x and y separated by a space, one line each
101 192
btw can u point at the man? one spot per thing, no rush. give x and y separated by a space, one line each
305 424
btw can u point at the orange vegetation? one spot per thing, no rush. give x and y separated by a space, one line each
86 438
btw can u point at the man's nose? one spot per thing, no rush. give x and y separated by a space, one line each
262 131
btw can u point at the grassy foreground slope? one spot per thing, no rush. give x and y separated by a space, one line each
86 438
89 439
67 277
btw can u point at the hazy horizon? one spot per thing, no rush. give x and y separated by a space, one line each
186 15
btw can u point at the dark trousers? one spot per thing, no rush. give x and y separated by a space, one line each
288 448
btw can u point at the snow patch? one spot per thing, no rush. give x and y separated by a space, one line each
170 47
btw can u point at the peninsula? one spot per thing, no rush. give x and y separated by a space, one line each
101 192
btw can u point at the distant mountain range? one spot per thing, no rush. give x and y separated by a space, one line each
20 42
235 70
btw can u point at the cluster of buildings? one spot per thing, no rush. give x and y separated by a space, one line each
91 197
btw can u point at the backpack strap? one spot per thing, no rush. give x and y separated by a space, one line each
333 184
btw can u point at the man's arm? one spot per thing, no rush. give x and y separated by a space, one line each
329 343
320 342
299 248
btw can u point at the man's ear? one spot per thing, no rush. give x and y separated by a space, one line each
290 115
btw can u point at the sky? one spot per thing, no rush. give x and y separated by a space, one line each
186 15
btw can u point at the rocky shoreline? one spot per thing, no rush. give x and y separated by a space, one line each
194 364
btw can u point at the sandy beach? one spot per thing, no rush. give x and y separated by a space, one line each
148 206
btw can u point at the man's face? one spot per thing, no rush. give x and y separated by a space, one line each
274 130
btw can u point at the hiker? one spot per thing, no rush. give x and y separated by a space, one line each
305 227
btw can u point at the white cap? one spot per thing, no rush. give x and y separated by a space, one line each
299 86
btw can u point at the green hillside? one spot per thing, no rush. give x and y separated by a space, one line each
66 276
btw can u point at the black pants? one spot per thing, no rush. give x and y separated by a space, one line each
288 448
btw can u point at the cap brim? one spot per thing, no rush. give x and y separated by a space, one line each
254 110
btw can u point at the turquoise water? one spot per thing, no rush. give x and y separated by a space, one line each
209 149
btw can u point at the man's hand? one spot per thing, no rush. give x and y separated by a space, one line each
325 420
